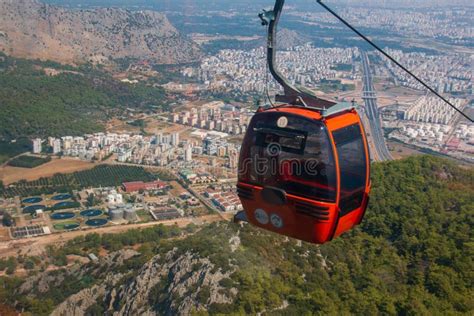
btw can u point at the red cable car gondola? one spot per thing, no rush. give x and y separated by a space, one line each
304 164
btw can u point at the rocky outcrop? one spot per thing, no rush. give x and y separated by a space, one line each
173 284
30 29
77 304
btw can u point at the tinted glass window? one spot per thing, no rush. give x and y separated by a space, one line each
352 164
289 152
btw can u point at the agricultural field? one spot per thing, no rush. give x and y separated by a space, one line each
342 67
9 174
102 175
28 161
328 86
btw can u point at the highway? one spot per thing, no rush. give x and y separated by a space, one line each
370 100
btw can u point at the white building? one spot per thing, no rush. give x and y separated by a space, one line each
233 159
175 139
159 138
51 141
56 146
114 198
37 146
188 154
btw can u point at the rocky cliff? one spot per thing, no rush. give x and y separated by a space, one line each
171 284
31 29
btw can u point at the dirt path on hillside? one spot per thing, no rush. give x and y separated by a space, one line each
36 246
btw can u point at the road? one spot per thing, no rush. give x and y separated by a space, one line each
36 246
371 109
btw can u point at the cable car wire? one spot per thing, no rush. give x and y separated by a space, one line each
392 59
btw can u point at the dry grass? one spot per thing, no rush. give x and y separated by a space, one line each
10 174
4 234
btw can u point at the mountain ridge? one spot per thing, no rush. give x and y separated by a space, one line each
34 30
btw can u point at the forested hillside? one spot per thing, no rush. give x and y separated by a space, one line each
411 255
66 101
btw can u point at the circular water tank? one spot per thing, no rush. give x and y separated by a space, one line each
116 214
129 214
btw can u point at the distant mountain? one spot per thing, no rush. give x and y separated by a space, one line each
30 29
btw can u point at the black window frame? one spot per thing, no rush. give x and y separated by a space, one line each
258 121
350 135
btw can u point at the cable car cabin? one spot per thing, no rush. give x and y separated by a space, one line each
304 175
304 165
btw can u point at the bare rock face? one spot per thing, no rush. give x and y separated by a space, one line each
172 284
77 304
30 29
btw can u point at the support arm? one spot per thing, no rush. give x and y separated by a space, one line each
292 94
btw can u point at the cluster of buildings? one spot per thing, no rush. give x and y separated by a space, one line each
215 116
193 177
447 23
433 134
456 142
216 146
165 150
431 124
446 73
151 150
429 109
244 71
462 139
226 201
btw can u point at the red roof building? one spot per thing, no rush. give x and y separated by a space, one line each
140 185
453 143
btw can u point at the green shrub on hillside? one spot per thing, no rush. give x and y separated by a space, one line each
28 161
73 102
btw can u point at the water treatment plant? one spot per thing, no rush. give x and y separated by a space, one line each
62 215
